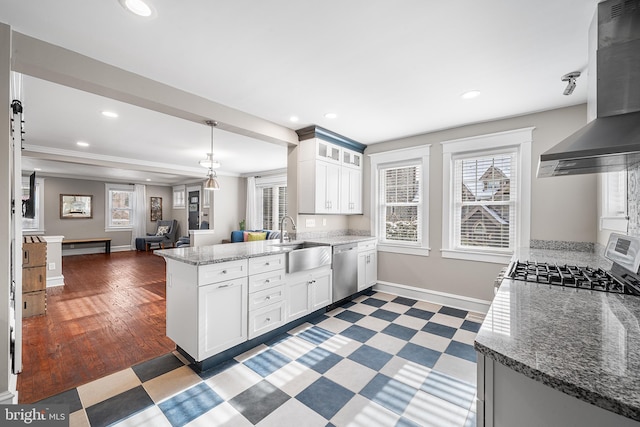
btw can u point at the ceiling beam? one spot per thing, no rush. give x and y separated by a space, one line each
46 61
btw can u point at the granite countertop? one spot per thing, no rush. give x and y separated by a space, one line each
584 343
234 251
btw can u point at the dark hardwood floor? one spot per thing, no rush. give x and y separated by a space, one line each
109 316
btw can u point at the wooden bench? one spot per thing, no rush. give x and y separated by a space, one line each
105 240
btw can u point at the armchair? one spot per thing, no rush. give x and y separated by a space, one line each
166 232
186 240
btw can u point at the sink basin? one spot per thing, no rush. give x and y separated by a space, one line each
302 259
289 245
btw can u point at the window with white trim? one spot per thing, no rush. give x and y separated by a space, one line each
614 201
400 194
35 224
119 206
486 195
271 200
179 197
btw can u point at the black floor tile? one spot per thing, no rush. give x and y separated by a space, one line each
438 329
215 370
358 333
118 407
468 325
69 397
389 393
422 355
387 315
325 397
405 301
399 331
349 316
190 404
315 335
450 389
267 362
156 367
370 357
320 360
259 401
461 350
374 302
454 312
420 314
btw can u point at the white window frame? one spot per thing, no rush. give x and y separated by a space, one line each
613 221
107 206
519 139
401 157
273 181
39 217
179 202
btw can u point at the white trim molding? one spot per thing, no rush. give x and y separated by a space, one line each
390 158
436 297
95 250
521 139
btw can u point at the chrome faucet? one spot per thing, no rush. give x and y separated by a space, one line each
282 221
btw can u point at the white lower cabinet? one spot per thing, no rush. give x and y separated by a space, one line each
306 292
222 323
367 264
266 294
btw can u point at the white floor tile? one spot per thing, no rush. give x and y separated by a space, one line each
151 416
342 346
363 309
351 375
405 371
173 382
434 342
294 347
464 336
223 415
106 387
428 306
395 307
293 377
334 325
293 413
458 368
386 343
410 322
361 412
444 319
250 353
233 381
430 411
372 323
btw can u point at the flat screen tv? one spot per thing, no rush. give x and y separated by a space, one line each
29 205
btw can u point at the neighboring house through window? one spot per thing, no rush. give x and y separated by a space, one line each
486 195
119 206
400 194
179 197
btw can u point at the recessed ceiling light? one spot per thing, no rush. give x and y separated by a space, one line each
138 7
82 144
37 169
110 114
330 115
471 94
148 179
294 119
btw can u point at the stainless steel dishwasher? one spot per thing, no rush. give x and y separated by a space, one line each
345 270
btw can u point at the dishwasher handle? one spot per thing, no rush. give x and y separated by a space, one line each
343 248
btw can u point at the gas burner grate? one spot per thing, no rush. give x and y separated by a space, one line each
567 275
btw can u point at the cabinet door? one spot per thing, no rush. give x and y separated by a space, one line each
351 197
333 188
372 268
362 271
297 296
321 290
222 316
34 279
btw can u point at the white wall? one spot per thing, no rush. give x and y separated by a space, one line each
229 206
563 208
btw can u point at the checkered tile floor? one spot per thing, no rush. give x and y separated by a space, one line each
380 360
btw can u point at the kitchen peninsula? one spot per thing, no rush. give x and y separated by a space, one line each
224 299
557 355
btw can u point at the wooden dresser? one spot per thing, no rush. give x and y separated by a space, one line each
34 276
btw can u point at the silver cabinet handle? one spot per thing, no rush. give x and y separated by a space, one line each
268 297
267 281
267 263
224 271
268 319
223 286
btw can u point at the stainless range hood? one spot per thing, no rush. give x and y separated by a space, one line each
612 141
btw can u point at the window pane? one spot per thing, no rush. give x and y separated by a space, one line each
402 185
402 223
485 202
120 208
267 208
282 202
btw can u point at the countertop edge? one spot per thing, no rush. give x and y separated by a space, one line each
586 395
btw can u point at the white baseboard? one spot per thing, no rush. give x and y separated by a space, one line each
8 398
436 297
94 250
55 281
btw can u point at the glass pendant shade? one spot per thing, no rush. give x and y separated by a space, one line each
210 162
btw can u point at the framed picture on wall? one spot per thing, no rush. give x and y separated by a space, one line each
156 208
74 206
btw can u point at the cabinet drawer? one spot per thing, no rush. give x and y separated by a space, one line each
258 282
214 273
266 297
266 319
34 279
266 263
367 246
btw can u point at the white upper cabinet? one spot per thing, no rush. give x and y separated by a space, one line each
329 178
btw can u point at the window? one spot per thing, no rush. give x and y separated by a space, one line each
614 201
35 224
271 195
119 207
179 197
400 207
486 195
399 200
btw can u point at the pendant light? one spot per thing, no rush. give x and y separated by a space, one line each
211 182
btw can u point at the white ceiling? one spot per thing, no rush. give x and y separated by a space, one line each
387 69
